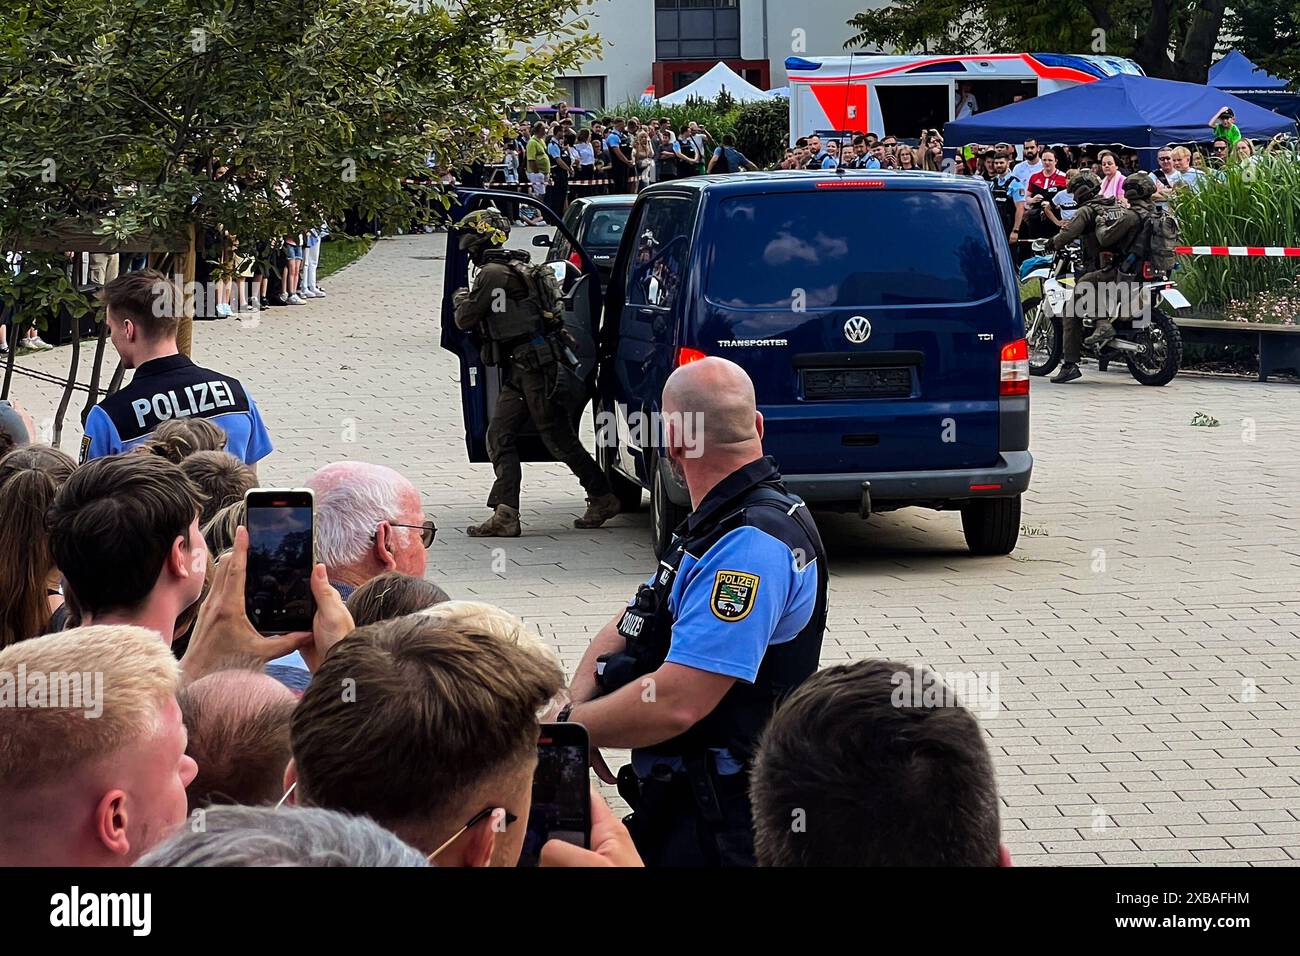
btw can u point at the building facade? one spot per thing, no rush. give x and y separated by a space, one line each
665 44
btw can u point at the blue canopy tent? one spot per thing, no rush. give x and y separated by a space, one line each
1235 74
1138 112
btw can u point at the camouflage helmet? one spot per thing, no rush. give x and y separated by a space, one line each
487 226
1085 186
1139 185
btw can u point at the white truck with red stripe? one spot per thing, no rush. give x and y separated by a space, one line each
901 95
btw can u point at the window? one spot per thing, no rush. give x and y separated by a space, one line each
697 29
658 265
583 91
770 246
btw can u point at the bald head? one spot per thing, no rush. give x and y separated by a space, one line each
718 397
712 425
238 723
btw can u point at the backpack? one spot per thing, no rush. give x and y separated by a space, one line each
544 290
1157 239
723 165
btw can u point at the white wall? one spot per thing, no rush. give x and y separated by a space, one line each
819 26
627 28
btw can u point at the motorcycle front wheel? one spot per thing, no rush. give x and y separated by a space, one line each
1043 336
1162 351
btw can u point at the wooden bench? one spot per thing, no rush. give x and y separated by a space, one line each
1278 345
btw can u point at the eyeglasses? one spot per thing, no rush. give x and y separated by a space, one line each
474 821
427 530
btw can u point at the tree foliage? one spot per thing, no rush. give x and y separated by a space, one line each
260 117
1174 39
1268 31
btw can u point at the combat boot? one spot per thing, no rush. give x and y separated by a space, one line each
1101 336
599 510
504 523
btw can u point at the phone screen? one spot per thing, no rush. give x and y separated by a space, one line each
277 586
561 791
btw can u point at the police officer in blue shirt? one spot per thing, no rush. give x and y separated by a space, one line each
142 309
690 672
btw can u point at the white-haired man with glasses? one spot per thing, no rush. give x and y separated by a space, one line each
369 519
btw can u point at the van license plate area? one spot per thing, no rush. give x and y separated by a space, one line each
821 384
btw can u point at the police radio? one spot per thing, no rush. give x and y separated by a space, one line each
637 626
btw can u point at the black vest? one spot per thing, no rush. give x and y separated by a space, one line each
753 495
1002 199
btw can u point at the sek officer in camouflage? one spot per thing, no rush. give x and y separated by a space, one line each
505 308
690 672
1108 231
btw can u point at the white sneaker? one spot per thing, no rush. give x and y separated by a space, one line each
296 299
320 293
223 310
284 298
252 305
36 343
310 294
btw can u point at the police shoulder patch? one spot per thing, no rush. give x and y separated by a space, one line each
733 595
85 448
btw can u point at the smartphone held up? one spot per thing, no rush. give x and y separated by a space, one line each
281 554
561 808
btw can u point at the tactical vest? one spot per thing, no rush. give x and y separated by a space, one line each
746 708
1005 204
521 319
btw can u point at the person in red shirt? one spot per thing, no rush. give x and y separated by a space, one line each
1042 189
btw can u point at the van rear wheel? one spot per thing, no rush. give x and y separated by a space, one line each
665 516
991 525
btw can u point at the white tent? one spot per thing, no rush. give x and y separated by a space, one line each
707 87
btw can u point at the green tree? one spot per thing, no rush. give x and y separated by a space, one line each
761 130
1268 31
256 118
1174 39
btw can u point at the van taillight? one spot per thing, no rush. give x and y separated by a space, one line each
576 260
1015 369
686 356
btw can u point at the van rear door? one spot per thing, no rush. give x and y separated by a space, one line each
871 315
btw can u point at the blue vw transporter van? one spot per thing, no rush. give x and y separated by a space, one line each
877 314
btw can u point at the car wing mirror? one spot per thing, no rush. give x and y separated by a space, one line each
542 240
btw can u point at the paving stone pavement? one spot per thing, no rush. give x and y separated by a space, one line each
1143 635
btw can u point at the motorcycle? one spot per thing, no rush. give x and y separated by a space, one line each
1150 345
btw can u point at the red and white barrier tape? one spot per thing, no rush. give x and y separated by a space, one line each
1272 251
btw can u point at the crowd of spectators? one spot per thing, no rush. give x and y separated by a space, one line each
553 160
1031 184
400 730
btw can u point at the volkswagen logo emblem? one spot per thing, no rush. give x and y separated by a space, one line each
857 329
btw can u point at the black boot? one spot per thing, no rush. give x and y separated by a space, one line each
1068 373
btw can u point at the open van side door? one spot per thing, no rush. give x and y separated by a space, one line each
480 384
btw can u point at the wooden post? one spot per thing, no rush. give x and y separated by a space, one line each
185 330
